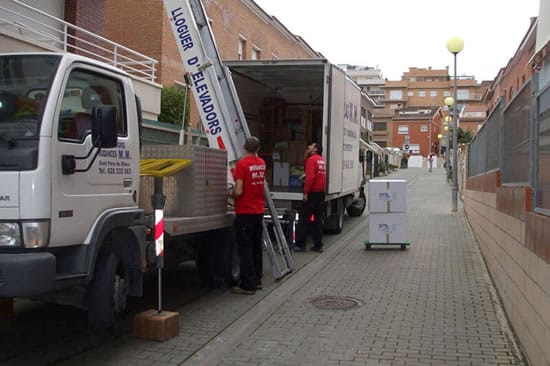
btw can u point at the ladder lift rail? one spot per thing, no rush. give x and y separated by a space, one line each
218 104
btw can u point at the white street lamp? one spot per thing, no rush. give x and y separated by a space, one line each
449 102
455 45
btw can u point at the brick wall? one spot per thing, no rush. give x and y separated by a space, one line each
87 14
514 243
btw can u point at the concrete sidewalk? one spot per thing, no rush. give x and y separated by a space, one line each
433 304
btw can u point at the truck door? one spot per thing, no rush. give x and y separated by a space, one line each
336 107
79 199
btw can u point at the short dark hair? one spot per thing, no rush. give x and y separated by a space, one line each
252 144
317 146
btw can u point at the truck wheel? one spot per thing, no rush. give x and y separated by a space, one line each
358 206
108 292
205 263
335 223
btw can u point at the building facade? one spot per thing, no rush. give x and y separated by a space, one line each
423 89
241 28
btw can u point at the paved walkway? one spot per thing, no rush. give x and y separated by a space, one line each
433 304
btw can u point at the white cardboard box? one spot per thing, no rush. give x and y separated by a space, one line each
388 195
388 228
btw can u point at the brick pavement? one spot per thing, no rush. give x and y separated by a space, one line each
432 304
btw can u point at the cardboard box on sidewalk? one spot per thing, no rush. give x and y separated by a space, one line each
388 195
388 228
158 327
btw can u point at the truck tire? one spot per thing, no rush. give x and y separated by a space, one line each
335 222
107 292
358 206
218 259
205 263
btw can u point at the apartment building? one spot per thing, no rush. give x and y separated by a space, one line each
369 79
517 72
424 89
241 28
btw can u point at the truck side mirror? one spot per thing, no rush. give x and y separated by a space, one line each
104 131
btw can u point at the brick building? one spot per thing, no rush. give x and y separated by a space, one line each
418 128
515 74
427 89
241 28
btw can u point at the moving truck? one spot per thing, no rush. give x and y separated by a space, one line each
76 218
288 103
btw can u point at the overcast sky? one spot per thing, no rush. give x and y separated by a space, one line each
394 35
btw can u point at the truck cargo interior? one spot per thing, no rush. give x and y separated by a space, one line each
283 106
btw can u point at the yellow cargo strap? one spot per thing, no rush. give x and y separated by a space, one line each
162 167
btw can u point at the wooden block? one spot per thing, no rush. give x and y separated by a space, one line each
6 308
159 327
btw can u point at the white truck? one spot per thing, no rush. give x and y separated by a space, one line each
288 103
74 228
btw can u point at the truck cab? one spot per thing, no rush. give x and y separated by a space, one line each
68 204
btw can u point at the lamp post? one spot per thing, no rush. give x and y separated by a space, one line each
455 45
448 120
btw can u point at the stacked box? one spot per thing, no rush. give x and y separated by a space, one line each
388 196
387 211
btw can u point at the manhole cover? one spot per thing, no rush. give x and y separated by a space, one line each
335 302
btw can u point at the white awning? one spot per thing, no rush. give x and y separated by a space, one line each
379 149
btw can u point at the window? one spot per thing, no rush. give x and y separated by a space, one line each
380 126
422 93
433 93
423 128
403 130
462 94
396 94
83 92
446 93
242 49
256 53
410 93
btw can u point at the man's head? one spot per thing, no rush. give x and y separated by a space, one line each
314 148
252 145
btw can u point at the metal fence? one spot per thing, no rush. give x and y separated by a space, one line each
542 176
24 20
515 139
484 151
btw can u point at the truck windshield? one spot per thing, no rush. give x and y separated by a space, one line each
24 83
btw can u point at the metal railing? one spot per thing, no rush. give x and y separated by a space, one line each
514 139
25 21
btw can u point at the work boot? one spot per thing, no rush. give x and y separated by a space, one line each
241 291
299 248
318 249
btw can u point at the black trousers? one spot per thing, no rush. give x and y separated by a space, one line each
311 220
249 239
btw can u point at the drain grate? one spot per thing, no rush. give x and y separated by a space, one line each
335 302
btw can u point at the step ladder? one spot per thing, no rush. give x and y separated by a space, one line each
220 108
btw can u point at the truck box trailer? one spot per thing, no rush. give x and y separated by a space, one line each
288 103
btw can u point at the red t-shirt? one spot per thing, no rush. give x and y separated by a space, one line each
316 174
251 170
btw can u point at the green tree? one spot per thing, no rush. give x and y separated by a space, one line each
464 137
171 105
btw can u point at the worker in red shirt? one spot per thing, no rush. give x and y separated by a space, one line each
248 194
312 212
